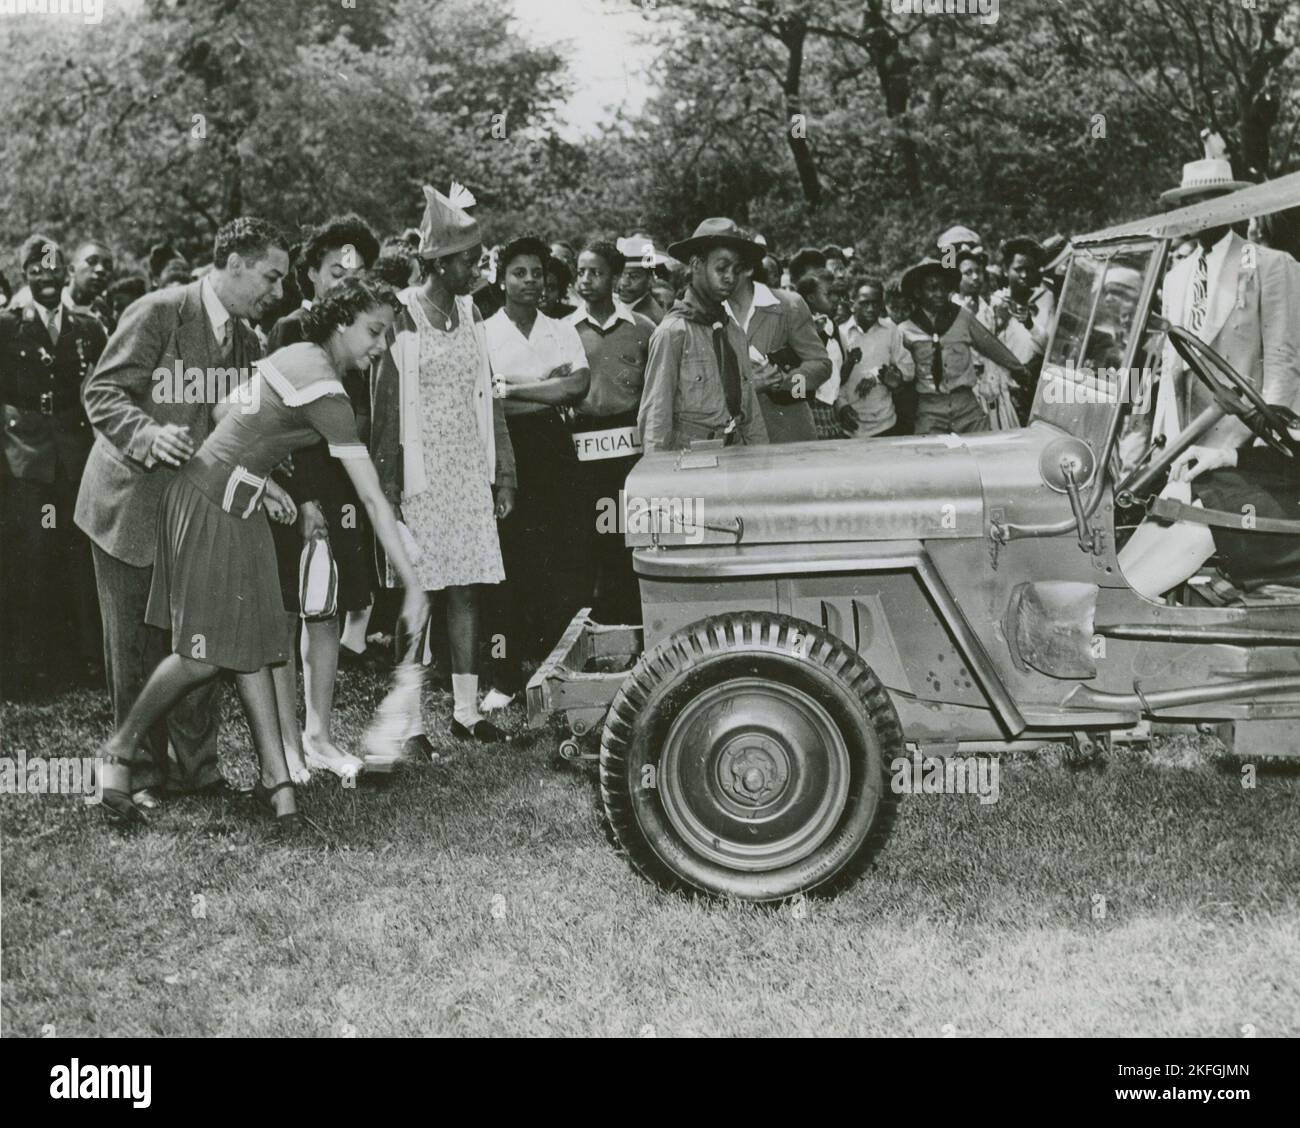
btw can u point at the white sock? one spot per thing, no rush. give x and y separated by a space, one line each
464 693
354 629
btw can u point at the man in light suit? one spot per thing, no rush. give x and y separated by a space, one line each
1238 297
1241 300
144 430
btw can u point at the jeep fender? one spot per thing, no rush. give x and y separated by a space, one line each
718 564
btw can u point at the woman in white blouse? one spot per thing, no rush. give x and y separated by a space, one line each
538 367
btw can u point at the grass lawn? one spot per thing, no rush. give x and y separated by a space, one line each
481 896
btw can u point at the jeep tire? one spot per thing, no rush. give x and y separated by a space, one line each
748 756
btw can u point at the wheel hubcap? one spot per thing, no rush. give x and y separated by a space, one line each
754 774
753 769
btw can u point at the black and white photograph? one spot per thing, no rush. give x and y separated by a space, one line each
650 519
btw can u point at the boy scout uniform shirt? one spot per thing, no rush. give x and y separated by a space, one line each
616 354
683 397
958 345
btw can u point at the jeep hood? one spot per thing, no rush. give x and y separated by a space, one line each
836 490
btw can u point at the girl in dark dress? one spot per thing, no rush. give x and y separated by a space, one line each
328 508
215 581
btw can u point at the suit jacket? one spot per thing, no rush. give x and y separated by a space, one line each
45 426
1253 322
131 395
647 305
787 324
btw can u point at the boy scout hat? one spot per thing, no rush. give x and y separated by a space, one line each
914 276
717 232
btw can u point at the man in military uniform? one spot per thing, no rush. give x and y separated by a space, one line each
46 351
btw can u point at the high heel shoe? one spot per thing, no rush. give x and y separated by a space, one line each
146 799
117 805
263 795
299 772
325 756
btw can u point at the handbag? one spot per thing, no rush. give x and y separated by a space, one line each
318 581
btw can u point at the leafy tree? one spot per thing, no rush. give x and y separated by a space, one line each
1230 67
915 122
171 119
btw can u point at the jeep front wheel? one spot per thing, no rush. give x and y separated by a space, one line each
747 756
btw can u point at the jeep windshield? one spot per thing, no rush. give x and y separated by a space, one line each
1091 368
1103 312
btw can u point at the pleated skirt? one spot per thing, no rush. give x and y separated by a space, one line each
215 583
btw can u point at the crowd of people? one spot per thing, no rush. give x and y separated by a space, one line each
310 443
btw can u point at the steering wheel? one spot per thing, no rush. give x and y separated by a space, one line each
1233 392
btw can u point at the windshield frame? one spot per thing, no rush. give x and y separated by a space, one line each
1067 420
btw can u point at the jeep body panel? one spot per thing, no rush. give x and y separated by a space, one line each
977 575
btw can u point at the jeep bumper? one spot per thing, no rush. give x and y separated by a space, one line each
583 673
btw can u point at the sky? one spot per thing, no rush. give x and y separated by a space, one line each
606 60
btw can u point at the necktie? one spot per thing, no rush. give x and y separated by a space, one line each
936 361
728 368
52 327
1200 296
1195 323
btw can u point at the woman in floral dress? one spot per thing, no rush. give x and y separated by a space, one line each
440 442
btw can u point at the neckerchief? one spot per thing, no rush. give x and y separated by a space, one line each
936 331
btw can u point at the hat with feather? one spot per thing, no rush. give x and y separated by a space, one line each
447 228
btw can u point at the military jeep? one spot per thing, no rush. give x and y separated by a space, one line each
813 609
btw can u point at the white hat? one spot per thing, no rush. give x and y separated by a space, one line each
956 236
1212 174
640 250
